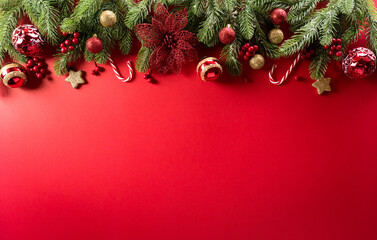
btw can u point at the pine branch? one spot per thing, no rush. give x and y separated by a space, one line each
229 54
247 20
209 29
138 13
142 61
8 22
318 66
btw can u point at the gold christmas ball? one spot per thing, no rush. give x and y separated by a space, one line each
276 36
108 18
257 62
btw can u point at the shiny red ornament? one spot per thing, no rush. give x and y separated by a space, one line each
227 35
172 46
278 16
94 45
209 69
13 75
359 63
27 40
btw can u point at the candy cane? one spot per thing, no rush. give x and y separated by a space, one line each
117 73
277 83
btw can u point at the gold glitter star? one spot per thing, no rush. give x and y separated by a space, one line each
75 78
322 85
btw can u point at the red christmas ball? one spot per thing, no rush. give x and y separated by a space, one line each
209 69
227 35
94 45
278 16
75 41
13 75
359 63
27 40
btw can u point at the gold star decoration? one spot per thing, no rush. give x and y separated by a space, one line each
322 85
75 78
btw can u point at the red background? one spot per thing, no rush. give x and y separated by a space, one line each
186 159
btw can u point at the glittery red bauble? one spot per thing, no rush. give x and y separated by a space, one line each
278 16
94 45
27 40
359 63
209 69
227 35
13 75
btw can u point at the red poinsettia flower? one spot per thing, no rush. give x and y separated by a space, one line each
172 45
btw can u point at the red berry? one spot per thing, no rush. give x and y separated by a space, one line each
339 41
256 48
331 53
251 49
242 54
97 69
30 61
62 45
36 69
40 64
333 41
308 55
71 48
248 54
75 41
303 57
76 35
94 72
39 75
333 47
326 47
246 45
339 47
36 59
64 50
65 34
43 71
243 48
246 57
339 54
29 64
67 42
304 51
311 51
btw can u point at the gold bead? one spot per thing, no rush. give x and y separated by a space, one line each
257 62
108 18
276 36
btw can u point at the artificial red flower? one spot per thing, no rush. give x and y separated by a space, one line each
172 45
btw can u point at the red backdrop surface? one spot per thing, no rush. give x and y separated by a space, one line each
186 159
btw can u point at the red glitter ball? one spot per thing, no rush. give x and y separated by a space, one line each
27 40
278 16
359 63
227 35
94 45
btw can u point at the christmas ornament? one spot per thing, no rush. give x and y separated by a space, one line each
359 63
278 16
209 69
75 78
283 79
117 73
306 54
322 85
37 66
108 18
335 47
227 35
149 78
97 70
276 36
13 75
248 51
257 62
94 44
172 45
27 40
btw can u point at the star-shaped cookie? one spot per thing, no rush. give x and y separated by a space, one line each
75 78
322 85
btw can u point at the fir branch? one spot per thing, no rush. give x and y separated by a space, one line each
246 21
65 8
142 61
62 60
318 66
229 54
138 13
327 28
125 42
8 22
209 29
346 6
45 16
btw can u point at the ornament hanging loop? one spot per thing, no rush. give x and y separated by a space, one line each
283 79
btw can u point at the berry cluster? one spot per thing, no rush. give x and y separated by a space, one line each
307 54
37 66
67 44
248 51
149 78
335 47
97 70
